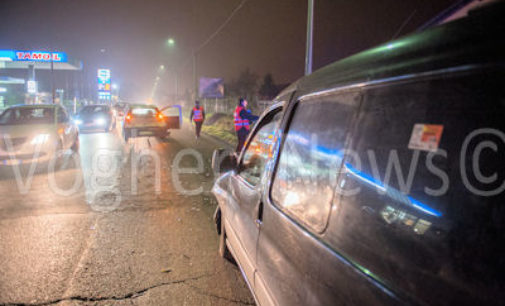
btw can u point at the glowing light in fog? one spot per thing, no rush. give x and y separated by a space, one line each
41 138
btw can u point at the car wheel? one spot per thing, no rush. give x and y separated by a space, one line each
75 145
223 248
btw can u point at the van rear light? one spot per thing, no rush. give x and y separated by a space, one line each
128 117
160 117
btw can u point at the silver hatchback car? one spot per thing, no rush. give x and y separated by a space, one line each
33 133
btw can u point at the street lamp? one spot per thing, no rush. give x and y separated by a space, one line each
171 44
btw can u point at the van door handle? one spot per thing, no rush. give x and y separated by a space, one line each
259 218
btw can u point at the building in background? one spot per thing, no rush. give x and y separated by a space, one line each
31 77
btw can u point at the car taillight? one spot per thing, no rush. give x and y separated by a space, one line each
160 116
128 117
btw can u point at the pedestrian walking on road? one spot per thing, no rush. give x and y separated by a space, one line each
198 117
242 118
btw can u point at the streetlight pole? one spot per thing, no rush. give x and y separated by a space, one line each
310 24
195 81
171 44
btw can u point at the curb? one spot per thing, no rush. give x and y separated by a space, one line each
218 140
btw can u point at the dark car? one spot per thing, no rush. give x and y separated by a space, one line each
379 179
95 117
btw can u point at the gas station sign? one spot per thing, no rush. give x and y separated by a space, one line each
104 84
33 56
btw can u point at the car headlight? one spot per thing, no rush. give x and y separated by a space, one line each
100 121
78 121
41 138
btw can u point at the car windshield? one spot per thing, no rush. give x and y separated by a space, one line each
95 109
27 115
120 106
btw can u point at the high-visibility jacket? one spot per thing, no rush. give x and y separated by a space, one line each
197 114
239 121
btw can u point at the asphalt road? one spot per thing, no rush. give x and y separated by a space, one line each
102 231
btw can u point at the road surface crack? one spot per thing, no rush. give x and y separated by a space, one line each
203 292
130 295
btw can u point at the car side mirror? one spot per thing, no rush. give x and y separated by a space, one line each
223 160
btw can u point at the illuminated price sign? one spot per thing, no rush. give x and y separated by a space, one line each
104 86
104 95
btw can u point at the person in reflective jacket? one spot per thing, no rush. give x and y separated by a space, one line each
198 117
242 119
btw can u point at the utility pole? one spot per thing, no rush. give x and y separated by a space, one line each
52 77
310 24
195 78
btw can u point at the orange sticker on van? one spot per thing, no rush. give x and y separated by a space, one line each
426 137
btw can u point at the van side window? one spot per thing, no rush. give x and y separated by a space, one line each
309 161
258 150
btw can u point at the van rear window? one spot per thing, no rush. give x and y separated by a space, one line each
144 111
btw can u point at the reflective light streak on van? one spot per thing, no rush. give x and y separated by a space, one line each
425 208
395 194
363 177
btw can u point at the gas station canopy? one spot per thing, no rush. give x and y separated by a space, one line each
20 59
10 80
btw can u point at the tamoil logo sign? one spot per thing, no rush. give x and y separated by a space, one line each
39 56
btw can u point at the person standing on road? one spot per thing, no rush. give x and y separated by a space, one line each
242 118
198 117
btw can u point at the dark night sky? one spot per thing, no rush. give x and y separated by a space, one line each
265 35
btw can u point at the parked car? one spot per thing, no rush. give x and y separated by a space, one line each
146 120
378 180
95 117
34 133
